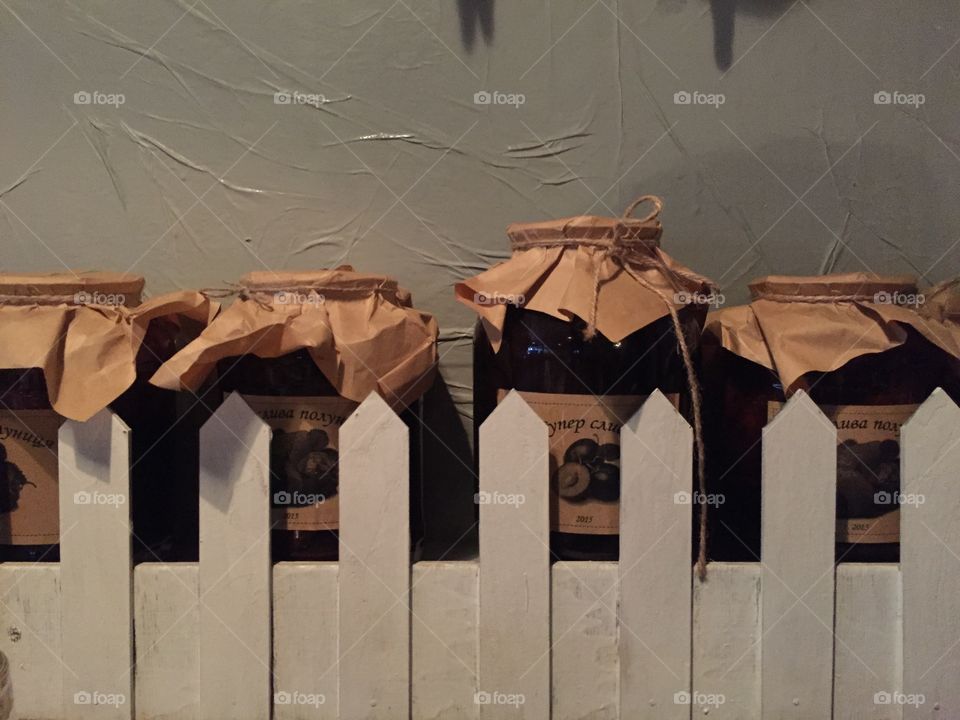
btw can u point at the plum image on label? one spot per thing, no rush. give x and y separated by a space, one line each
304 458
29 485
584 436
868 469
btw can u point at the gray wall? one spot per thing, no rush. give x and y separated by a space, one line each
200 175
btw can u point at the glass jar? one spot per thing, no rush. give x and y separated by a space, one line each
585 320
29 518
868 397
304 481
554 366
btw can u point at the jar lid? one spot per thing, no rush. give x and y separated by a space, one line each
589 229
71 288
340 280
840 287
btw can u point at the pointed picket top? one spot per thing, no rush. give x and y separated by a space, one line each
234 571
514 500
515 406
656 501
656 413
96 578
799 492
372 412
374 571
929 551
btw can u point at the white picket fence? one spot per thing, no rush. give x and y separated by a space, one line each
510 636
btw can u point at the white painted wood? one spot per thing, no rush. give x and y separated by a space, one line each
445 640
234 573
96 577
655 558
930 558
374 564
726 641
30 637
586 666
868 650
167 623
798 527
514 564
305 641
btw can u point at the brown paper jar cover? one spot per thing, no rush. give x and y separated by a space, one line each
582 260
800 324
84 330
360 330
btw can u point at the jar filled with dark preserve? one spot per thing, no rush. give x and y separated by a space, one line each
39 309
296 331
584 355
874 362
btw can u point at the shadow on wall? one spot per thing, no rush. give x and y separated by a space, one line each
724 11
474 15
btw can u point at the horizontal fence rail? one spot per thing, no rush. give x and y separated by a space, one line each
510 635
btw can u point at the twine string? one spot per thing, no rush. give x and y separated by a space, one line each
633 254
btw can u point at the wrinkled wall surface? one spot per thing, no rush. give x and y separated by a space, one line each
200 174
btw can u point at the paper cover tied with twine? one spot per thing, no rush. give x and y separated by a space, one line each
360 330
84 331
609 272
796 325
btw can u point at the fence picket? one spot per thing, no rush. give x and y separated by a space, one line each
868 649
234 571
96 571
930 559
374 564
31 637
655 559
799 493
726 640
514 564
305 608
444 636
586 667
167 621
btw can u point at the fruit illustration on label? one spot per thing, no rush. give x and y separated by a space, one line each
589 469
12 481
304 462
864 471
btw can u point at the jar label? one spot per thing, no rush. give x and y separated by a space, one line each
30 491
584 434
868 469
304 458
